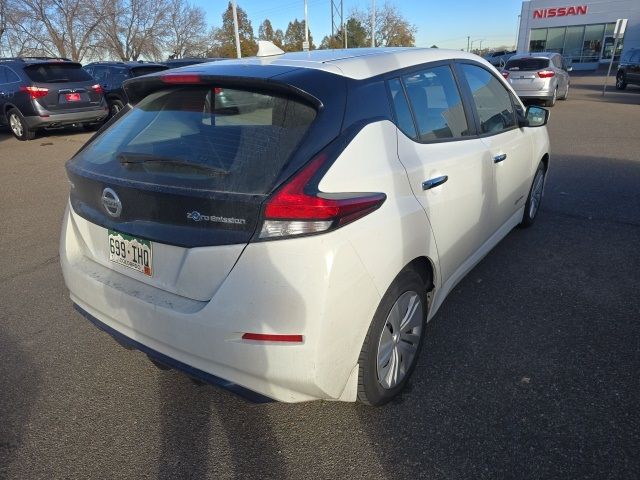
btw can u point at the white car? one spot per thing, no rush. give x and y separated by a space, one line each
295 251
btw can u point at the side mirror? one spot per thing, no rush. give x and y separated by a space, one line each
536 116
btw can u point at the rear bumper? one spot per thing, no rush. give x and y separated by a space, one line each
61 119
303 286
538 94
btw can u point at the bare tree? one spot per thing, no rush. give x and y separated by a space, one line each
130 29
63 28
392 29
187 33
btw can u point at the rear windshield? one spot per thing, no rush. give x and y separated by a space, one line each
205 138
57 73
139 71
527 64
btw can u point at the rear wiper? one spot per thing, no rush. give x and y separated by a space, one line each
57 80
132 158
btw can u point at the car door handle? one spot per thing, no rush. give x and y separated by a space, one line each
499 158
434 182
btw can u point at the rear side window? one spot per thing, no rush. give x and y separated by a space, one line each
527 64
403 114
491 98
436 104
139 71
57 73
12 76
3 75
202 138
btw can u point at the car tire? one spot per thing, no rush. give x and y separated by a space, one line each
566 93
18 126
532 205
114 108
404 301
621 81
552 101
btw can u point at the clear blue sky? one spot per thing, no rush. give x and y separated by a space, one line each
444 23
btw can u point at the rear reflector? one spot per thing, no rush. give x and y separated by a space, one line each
546 73
181 78
266 337
296 209
505 74
35 92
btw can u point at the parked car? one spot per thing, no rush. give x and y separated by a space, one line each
539 76
184 62
42 92
629 70
499 57
298 255
111 75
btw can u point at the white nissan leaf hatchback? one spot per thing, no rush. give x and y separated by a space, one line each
292 245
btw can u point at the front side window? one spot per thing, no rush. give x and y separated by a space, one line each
436 104
491 98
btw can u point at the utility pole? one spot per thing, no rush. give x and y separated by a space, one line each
235 28
373 23
305 47
468 38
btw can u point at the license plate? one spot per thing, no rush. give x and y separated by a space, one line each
131 252
72 97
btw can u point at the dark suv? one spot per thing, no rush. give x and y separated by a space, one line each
40 92
629 70
110 76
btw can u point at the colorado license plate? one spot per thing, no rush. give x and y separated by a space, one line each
131 252
72 97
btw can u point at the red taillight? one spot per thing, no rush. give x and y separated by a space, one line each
546 73
293 210
267 337
97 88
505 75
217 90
181 78
35 92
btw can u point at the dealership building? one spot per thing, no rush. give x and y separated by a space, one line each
582 32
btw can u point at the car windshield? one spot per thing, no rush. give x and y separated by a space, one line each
57 73
527 64
204 138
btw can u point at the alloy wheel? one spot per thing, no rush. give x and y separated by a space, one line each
16 125
400 339
536 194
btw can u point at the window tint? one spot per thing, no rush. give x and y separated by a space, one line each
12 76
206 138
436 104
3 75
100 73
527 64
139 71
57 73
491 98
403 114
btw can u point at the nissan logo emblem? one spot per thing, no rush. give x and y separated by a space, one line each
111 202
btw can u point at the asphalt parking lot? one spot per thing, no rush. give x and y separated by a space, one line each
531 368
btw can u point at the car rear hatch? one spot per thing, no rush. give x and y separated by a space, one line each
181 177
524 73
63 87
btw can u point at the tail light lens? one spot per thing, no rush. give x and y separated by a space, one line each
298 208
181 78
546 73
97 88
35 92
505 75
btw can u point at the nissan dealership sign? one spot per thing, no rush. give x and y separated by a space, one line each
560 11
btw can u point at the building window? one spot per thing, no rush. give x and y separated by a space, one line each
572 50
555 39
538 40
592 43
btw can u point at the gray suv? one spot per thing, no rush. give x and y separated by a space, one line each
539 76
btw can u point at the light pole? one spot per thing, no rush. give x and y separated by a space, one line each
306 27
477 40
373 23
235 28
